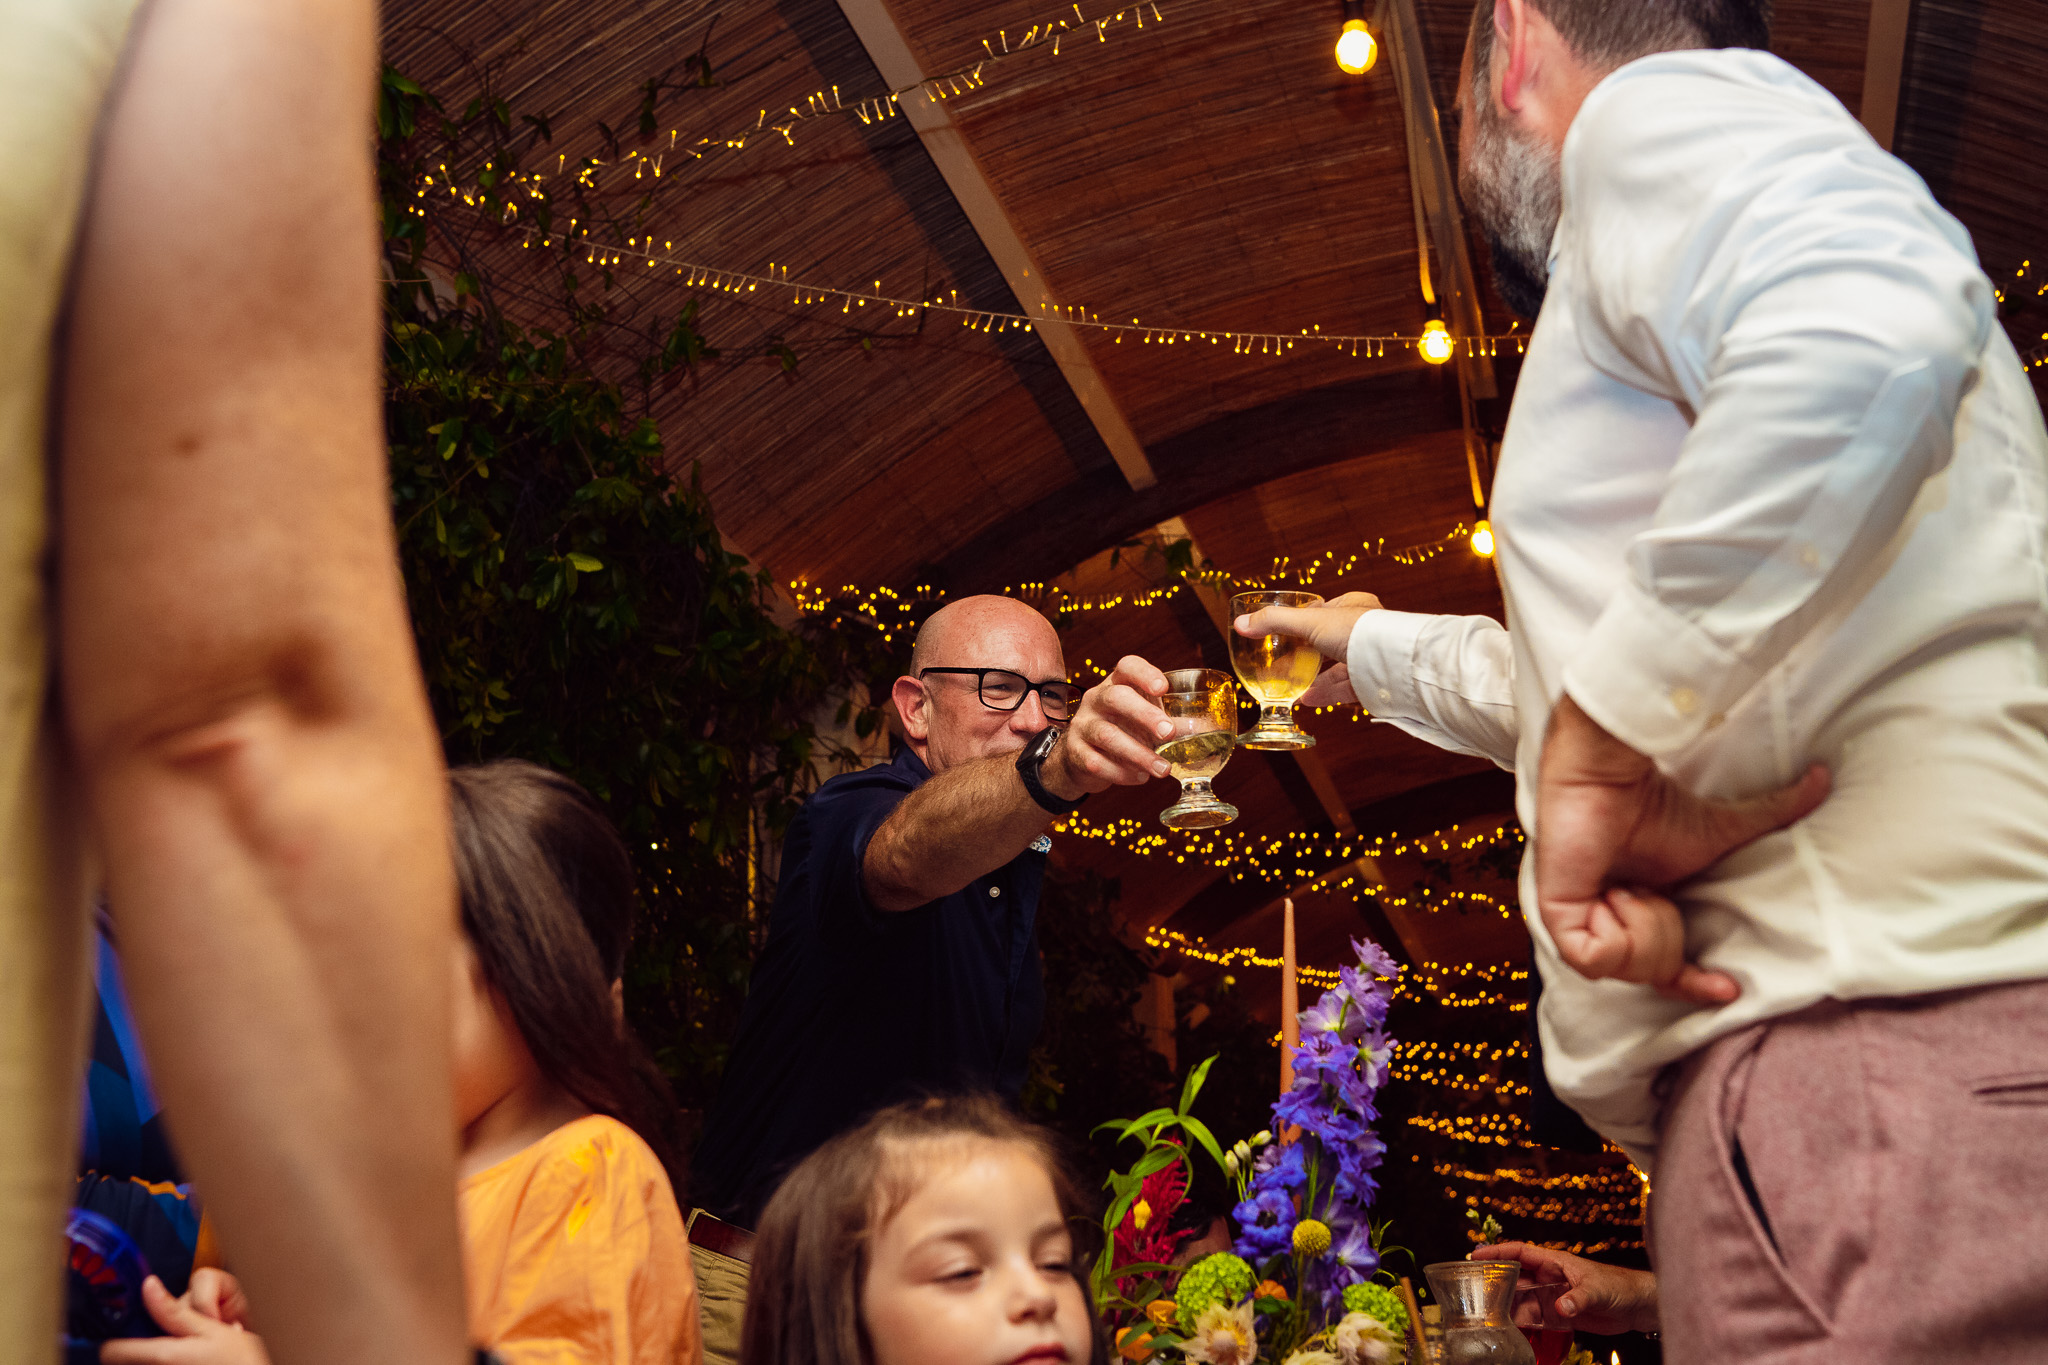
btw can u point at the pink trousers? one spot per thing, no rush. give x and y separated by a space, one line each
1863 1182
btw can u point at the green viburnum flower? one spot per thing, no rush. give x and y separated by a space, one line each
1311 1238
1221 1280
1378 1301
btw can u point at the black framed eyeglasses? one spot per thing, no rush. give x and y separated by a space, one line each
1002 690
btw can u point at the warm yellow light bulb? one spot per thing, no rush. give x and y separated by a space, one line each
1356 50
1436 344
1482 540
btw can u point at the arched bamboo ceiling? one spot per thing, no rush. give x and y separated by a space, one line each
1213 170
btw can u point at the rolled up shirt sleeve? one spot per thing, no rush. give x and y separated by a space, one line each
1448 680
1822 322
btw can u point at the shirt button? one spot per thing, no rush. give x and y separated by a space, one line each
1810 557
1386 695
995 891
1684 700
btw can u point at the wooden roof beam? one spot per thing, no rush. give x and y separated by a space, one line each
883 38
1884 66
1440 228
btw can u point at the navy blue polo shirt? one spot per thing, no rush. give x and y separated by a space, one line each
853 1008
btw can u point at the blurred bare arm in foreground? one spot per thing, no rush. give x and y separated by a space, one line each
258 762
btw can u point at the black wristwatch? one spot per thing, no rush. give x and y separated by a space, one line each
1036 750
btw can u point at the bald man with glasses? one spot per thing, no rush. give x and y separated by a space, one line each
902 953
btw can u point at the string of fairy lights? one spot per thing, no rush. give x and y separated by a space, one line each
2035 356
798 293
1440 983
817 106
1283 858
1611 1195
493 186
1506 1129
1620 1181
894 612
1427 1062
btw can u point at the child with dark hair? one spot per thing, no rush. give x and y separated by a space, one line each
573 1241
935 1233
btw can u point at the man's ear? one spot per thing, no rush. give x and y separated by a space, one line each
912 703
1511 49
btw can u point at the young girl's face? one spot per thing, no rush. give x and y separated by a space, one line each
974 1268
491 1059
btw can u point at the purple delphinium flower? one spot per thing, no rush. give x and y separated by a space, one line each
1339 1067
1350 1260
1318 1110
1333 1016
1323 1057
1375 1054
1381 962
1280 1167
1265 1225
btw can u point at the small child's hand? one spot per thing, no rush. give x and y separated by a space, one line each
218 1295
195 1338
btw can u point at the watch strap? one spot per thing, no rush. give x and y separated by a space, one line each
1031 761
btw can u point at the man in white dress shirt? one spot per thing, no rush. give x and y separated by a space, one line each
1771 514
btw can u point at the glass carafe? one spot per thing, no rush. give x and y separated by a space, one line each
1475 1298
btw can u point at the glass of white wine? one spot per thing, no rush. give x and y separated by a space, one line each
1201 705
1276 670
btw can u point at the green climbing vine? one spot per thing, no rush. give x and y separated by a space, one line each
573 600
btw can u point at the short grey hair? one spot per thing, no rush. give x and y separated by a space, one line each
1610 33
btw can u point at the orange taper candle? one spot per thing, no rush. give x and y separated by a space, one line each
1290 998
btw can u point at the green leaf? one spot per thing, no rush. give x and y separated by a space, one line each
1114 1218
1158 1159
1193 1087
1130 1268
1199 1131
583 563
1145 1121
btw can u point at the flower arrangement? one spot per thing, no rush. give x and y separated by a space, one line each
1297 1286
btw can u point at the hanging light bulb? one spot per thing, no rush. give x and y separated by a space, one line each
1482 539
1436 344
1356 50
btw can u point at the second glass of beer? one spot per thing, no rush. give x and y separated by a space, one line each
1276 669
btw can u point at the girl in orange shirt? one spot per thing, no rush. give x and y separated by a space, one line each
573 1244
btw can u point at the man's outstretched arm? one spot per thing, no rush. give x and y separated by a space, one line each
238 678
972 819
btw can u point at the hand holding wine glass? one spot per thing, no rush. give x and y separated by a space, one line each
1324 625
1201 706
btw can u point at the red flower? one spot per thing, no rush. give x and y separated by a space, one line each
1146 1233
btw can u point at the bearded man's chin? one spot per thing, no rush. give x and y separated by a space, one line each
1521 288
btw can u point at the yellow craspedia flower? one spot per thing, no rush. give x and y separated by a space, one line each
1141 1214
1311 1238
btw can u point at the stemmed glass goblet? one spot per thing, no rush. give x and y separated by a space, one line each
1276 670
1201 704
